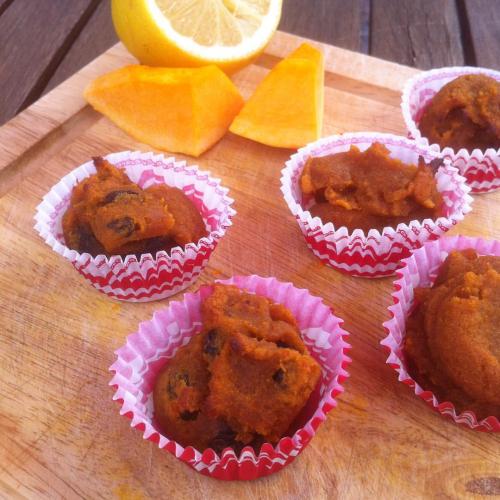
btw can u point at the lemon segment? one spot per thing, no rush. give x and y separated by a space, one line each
228 33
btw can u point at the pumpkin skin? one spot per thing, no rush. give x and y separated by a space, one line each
286 109
181 110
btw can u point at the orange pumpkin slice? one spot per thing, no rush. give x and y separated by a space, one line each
286 109
173 109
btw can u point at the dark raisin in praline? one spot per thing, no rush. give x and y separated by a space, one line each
279 376
124 226
112 195
189 415
210 346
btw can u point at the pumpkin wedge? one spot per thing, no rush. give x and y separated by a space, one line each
181 110
286 109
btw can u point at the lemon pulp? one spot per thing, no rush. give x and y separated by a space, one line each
215 22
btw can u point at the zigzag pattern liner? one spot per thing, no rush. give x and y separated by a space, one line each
373 254
157 340
420 270
480 168
147 278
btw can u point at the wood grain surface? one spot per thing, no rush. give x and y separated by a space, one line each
421 33
340 23
482 30
40 44
62 435
96 36
43 42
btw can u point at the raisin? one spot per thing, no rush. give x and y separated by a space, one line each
319 196
153 245
124 226
210 346
223 439
189 415
174 382
87 242
282 344
279 376
172 394
257 443
285 345
434 164
112 195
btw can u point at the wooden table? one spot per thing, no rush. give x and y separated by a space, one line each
62 436
43 42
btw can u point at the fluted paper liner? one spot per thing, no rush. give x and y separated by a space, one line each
150 277
145 353
480 168
376 253
420 270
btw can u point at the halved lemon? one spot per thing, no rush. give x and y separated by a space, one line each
228 33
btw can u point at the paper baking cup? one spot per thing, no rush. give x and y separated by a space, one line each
150 277
480 168
376 253
420 270
146 352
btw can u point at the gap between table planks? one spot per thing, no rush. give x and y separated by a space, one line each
62 435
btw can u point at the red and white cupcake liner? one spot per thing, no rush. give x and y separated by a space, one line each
376 253
420 270
150 277
480 168
146 352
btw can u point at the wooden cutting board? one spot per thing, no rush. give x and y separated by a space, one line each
62 435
